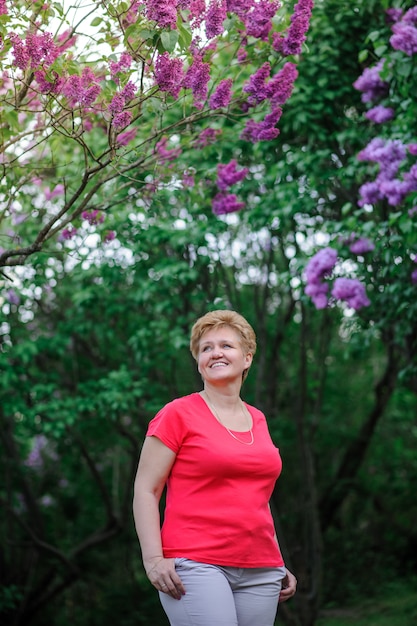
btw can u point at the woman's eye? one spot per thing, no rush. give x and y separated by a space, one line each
206 349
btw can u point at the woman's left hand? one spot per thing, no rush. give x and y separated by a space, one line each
289 586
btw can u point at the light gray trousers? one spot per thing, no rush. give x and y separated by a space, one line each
224 596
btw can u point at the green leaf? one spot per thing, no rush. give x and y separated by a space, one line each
169 40
363 55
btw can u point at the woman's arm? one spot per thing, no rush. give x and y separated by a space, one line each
289 582
155 463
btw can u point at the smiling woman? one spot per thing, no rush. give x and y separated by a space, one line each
211 563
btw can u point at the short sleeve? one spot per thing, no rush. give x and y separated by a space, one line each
168 426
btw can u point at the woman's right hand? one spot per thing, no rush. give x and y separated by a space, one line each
164 577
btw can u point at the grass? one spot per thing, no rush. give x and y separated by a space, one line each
397 607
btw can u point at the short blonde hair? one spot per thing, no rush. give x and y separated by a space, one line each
217 319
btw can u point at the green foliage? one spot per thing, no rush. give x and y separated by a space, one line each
396 606
99 342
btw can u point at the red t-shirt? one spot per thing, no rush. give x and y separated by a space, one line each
218 491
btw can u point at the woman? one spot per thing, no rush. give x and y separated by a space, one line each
217 560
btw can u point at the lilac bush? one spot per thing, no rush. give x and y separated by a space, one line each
92 109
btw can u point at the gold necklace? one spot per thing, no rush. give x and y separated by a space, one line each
246 443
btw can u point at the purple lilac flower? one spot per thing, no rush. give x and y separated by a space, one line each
412 148
215 16
318 294
393 15
207 137
228 175
58 190
66 40
411 178
321 265
404 38
93 217
68 233
109 236
188 179
222 96
36 49
3 7
130 16
117 104
380 114
394 190
278 42
258 19
163 12
124 138
169 74
412 211
122 119
120 66
196 79
256 85
82 89
352 291
280 87
361 246
414 277
128 91
370 83
197 10
12 297
242 55
164 154
300 22
389 154
20 53
410 16
47 84
226 203
370 193
262 131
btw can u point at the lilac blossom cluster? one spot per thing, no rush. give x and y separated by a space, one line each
371 84
380 114
404 30
224 203
228 175
349 290
215 16
361 245
256 16
293 41
222 95
122 117
196 79
163 12
389 183
93 217
277 90
166 155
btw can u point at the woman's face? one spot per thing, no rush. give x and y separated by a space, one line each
221 357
